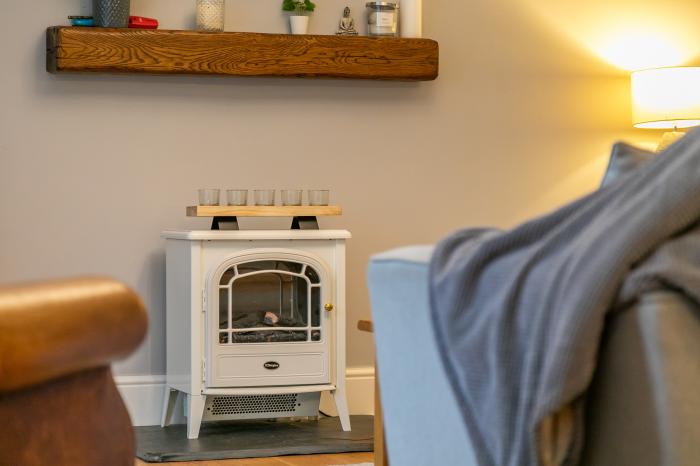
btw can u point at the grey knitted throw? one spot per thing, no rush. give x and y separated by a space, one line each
519 314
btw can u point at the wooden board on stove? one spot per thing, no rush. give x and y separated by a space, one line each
264 211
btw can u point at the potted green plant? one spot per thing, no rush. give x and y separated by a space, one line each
298 19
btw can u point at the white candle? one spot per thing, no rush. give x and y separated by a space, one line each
411 18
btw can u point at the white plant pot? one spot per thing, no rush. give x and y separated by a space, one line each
299 24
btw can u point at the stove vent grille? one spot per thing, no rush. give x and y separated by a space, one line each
252 404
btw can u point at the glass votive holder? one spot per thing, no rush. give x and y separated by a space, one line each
319 196
291 196
237 196
264 196
210 15
209 196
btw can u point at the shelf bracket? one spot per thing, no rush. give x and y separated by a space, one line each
305 223
225 223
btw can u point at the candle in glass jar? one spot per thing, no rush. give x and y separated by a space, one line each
382 19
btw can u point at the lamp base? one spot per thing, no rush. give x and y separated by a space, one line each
669 138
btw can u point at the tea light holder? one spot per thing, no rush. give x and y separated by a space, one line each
291 197
264 197
209 196
237 197
319 197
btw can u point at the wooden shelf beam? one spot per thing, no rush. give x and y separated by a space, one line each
75 49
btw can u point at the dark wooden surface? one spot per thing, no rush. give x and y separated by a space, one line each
74 49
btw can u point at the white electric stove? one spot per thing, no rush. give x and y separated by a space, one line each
255 324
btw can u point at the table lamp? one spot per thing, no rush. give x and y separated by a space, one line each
666 98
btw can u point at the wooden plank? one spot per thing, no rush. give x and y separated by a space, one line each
264 211
74 49
236 462
326 459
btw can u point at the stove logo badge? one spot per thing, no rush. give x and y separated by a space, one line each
271 365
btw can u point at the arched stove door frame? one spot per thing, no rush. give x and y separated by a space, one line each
248 364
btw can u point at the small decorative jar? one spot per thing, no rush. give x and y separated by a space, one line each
382 19
210 15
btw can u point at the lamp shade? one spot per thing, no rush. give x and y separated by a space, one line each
666 98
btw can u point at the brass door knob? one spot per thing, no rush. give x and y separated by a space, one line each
328 307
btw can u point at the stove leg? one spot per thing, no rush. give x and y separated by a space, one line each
341 404
195 411
169 400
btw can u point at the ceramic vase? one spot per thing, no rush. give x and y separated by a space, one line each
299 24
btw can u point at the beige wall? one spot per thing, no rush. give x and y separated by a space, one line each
92 168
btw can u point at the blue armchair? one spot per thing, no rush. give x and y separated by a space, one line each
643 406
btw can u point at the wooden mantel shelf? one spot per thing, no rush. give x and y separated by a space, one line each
75 49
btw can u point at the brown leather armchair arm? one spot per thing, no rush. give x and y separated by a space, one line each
58 401
54 329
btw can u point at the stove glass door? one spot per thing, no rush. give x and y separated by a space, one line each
269 301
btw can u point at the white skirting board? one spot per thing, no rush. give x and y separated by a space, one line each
143 395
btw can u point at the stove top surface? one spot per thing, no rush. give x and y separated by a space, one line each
227 235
